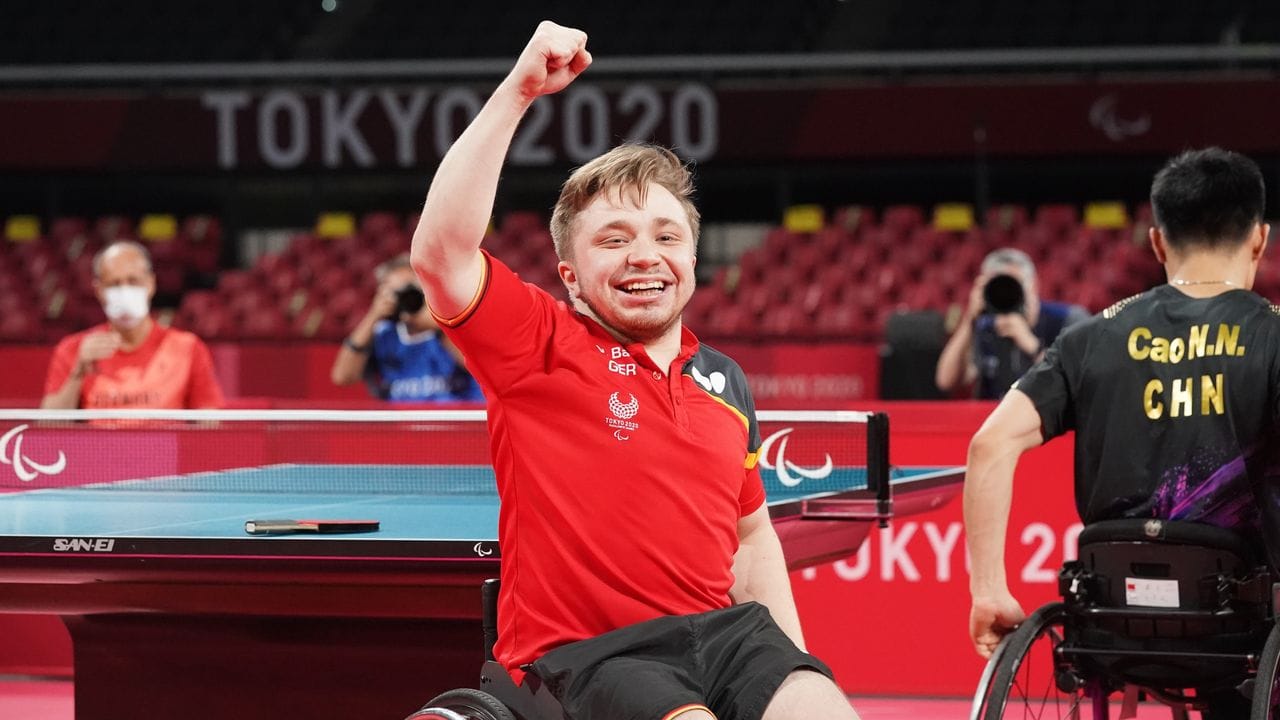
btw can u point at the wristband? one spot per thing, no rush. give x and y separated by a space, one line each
348 342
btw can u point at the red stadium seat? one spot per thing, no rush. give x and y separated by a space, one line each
518 224
698 307
169 251
316 324
829 288
778 243
1057 217
213 324
330 280
756 298
753 266
43 262
1007 218
924 296
858 257
539 241
498 243
170 278
11 281
234 281
853 218
364 264
86 311
391 243
901 220
952 280
1093 297
19 327
806 257
250 301
883 241
305 248
110 228
832 241
66 228
1143 217
290 304
785 320
347 301
377 224
837 321
16 303
202 230
264 324
729 321
284 281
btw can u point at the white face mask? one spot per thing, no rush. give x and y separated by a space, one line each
126 305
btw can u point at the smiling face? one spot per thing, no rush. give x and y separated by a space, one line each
632 260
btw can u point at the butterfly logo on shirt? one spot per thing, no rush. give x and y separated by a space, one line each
714 382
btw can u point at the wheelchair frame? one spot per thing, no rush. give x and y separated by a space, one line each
1100 642
499 698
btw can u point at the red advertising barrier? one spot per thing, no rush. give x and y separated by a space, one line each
893 619
782 375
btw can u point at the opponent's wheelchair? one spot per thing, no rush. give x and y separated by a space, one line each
498 698
1154 608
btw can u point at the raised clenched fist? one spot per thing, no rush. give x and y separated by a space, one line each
554 57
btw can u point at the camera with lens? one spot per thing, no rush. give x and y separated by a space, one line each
409 300
1003 294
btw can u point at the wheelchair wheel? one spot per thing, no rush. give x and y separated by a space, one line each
1266 685
463 704
1025 679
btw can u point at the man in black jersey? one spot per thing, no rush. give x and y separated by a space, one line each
1172 393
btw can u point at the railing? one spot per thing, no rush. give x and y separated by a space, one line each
995 59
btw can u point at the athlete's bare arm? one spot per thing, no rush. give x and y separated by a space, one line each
446 244
760 573
1012 429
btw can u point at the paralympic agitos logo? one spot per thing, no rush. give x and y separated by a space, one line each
783 467
24 467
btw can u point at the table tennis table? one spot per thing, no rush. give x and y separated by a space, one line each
175 611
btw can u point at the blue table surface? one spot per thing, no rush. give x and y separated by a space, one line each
412 502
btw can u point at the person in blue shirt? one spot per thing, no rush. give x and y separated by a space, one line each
397 348
1005 328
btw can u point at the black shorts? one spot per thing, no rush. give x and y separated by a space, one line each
730 660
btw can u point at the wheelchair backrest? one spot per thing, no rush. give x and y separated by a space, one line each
1164 603
1157 578
1162 564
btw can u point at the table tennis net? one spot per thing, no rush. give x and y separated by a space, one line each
378 452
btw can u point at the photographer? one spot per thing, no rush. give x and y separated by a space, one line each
1004 330
397 347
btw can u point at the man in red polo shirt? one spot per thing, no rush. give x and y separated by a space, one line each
129 361
641 576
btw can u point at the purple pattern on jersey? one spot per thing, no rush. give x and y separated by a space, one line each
1223 498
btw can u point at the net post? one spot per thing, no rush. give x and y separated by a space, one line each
878 465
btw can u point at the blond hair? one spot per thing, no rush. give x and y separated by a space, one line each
630 167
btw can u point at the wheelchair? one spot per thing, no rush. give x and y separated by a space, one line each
498 698
1178 612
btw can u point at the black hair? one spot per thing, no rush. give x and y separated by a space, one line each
1208 198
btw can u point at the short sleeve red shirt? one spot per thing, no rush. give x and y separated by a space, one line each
171 369
621 485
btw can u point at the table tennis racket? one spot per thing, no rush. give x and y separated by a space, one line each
322 527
